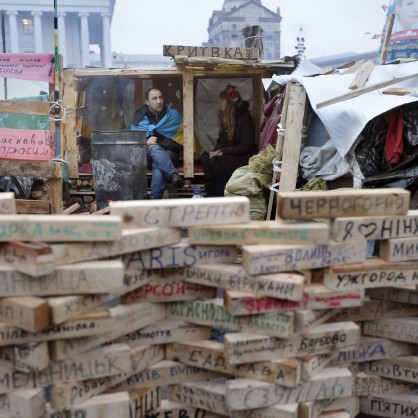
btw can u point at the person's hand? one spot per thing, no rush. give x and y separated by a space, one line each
216 153
152 140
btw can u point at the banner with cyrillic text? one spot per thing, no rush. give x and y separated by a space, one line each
27 145
39 67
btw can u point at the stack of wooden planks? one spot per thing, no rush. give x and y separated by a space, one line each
104 316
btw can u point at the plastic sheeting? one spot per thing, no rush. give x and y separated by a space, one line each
344 121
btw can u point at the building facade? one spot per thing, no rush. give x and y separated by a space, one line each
82 26
226 25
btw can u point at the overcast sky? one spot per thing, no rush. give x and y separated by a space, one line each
329 26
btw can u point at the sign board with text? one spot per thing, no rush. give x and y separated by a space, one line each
235 53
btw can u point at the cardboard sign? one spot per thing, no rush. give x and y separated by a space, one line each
27 144
28 66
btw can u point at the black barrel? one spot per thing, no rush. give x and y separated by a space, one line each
119 166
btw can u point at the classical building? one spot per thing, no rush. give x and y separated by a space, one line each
82 26
225 26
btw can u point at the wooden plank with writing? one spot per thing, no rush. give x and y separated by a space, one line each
249 394
124 319
212 312
168 290
108 405
264 259
403 368
375 227
399 249
132 240
34 259
367 384
371 348
373 272
314 409
31 357
182 254
342 203
92 323
104 276
209 396
104 361
59 228
246 348
28 403
400 294
30 313
236 53
165 332
7 203
179 410
210 355
69 394
261 232
144 401
312 364
401 329
401 405
286 285
167 372
373 309
316 296
65 395
63 308
183 212
142 358
308 319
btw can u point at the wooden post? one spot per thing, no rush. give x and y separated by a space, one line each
188 123
293 138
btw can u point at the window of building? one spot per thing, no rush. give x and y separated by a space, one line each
27 26
234 31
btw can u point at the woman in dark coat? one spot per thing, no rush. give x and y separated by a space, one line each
235 145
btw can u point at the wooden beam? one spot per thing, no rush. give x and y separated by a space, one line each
30 169
25 107
399 249
389 405
362 75
33 206
400 329
367 89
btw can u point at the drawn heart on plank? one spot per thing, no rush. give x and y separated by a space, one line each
367 229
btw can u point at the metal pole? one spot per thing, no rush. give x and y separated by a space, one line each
3 34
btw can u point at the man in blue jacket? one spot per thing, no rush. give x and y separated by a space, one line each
161 123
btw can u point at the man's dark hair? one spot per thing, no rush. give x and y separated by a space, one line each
147 92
